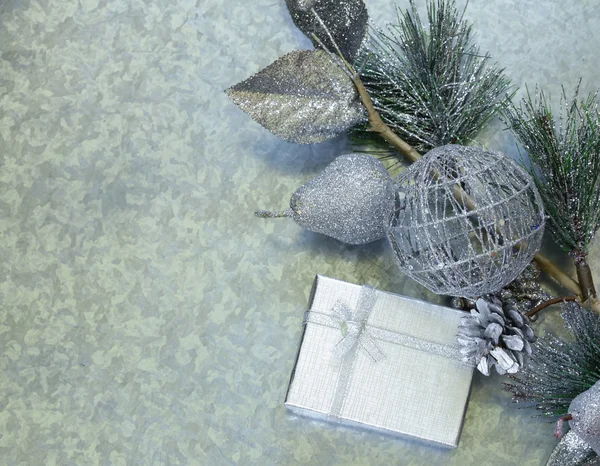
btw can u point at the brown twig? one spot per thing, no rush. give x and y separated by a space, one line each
377 125
584 275
550 302
547 266
559 424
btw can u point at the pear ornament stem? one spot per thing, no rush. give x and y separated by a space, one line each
287 213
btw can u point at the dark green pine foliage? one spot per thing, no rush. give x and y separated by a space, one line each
565 163
559 370
430 84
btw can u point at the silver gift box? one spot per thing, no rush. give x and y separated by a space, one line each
418 388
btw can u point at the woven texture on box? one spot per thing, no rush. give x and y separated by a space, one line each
410 392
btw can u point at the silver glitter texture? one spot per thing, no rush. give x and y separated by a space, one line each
585 409
350 200
467 221
303 97
571 451
492 337
346 20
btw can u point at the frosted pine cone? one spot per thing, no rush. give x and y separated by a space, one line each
491 337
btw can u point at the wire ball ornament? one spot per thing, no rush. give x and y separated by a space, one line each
467 221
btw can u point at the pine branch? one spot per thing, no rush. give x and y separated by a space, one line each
564 151
431 86
559 370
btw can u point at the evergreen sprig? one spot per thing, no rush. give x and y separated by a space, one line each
565 163
559 370
431 85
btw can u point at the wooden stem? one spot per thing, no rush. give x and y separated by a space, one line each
377 125
559 424
550 302
586 282
549 268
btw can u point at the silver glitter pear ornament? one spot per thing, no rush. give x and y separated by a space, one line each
581 445
467 221
303 97
351 201
585 410
346 20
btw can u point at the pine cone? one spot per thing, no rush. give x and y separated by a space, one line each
491 337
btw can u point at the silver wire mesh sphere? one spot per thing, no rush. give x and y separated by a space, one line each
467 221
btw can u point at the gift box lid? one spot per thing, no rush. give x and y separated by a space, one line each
419 387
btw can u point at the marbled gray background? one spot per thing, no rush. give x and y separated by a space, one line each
146 316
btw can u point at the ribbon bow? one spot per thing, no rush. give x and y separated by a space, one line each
353 325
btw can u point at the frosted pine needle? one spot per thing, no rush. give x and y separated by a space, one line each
559 370
564 151
431 85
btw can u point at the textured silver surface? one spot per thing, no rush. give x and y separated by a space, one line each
351 200
446 351
146 316
467 222
303 97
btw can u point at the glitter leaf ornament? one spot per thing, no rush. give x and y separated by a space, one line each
351 200
468 221
303 97
346 20
572 451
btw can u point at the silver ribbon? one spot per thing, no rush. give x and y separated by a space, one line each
354 326
358 334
